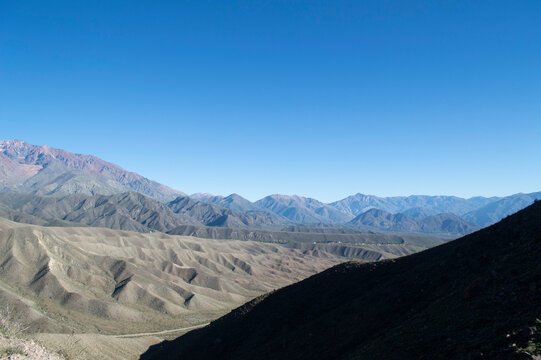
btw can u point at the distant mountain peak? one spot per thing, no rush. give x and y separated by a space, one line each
302 210
233 202
235 196
41 169
200 195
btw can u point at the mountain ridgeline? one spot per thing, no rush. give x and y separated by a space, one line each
472 298
126 211
184 216
86 246
44 170
360 203
302 210
72 179
440 223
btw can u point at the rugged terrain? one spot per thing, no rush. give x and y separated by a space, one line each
473 298
215 215
94 279
73 288
494 211
360 203
79 279
303 210
127 211
233 202
182 216
445 223
44 170
462 213
336 238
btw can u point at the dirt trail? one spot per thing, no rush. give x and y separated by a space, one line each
160 332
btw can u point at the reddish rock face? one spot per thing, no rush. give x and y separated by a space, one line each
45 170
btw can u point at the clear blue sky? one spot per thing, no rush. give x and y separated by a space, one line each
316 98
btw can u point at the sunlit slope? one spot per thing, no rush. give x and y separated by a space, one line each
45 170
87 279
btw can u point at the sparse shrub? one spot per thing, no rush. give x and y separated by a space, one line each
11 323
529 340
70 349
11 350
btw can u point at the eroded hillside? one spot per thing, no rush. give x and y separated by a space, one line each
473 298
94 279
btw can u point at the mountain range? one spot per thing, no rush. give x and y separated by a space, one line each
86 246
459 214
302 210
184 216
472 298
431 205
232 202
45 171
440 223
494 211
126 211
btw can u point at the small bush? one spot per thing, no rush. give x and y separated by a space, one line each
11 324
71 349
11 350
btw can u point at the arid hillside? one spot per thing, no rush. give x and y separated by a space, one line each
45 170
478 297
100 280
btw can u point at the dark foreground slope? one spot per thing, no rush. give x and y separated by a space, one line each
473 298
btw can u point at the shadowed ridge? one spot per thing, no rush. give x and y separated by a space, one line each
475 297
127 211
212 214
444 223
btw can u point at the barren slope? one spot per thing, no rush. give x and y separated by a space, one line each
44 170
473 298
95 279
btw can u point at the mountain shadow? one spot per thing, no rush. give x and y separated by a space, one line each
478 297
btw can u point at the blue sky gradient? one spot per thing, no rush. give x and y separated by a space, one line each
316 98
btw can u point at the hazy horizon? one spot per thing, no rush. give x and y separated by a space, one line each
302 195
